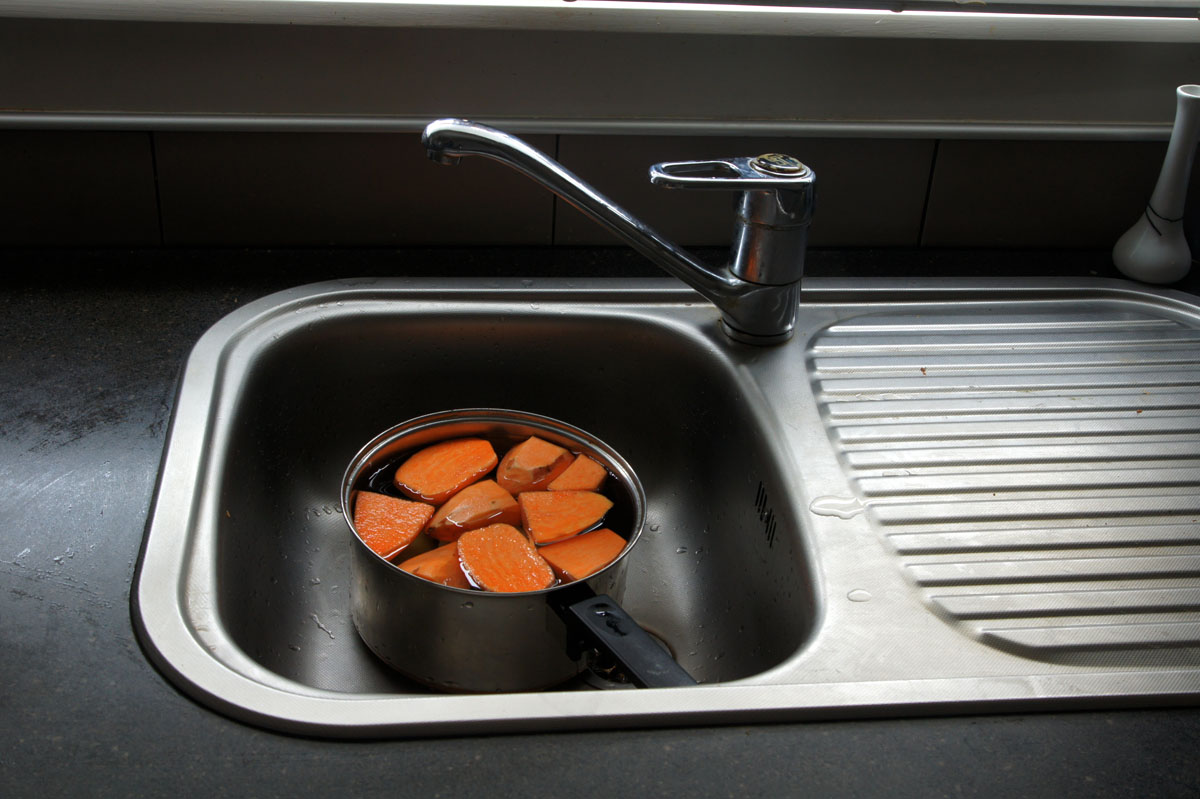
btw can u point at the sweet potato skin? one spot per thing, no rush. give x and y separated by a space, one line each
531 465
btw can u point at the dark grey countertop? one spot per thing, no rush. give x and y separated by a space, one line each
90 348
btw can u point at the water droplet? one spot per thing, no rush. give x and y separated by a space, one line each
680 550
841 507
468 605
859 595
655 527
315 581
316 619
293 647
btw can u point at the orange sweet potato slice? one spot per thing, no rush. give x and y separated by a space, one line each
439 471
584 474
438 565
550 516
477 505
499 558
531 465
388 524
581 555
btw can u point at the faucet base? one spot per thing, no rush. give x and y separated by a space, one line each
755 339
761 315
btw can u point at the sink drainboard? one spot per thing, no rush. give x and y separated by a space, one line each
1035 475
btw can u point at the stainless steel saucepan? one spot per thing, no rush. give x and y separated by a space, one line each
478 641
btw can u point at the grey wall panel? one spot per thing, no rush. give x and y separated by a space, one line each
1042 194
546 77
68 188
357 189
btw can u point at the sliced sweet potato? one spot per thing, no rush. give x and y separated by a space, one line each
584 474
499 558
550 516
438 565
531 465
477 505
388 524
581 555
439 471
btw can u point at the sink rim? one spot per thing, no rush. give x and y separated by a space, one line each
186 639
252 693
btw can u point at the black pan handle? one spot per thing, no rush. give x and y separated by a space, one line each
597 622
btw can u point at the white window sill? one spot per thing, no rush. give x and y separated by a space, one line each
589 66
627 17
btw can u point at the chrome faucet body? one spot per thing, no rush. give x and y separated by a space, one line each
757 292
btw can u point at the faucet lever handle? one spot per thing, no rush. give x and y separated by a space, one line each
772 213
762 172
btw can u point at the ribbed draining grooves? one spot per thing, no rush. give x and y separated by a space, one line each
1037 475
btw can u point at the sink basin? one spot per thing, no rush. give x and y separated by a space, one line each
819 539
705 579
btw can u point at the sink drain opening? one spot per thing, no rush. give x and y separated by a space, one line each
605 674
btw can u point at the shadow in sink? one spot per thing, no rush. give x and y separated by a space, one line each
719 574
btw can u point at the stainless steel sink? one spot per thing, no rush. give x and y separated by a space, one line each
937 497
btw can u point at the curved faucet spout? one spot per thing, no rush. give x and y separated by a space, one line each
752 312
448 140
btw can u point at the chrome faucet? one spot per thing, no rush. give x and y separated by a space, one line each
756 293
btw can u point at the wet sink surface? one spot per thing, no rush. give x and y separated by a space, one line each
820 539
706 578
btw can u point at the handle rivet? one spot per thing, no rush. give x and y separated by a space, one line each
778 164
